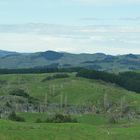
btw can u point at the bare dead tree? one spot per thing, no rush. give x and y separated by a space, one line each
61 101
106 102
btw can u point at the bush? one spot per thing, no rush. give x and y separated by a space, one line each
59 118
56 76
22 93
8 105
19 92
61 75
47 79
113 119
13 117
38 121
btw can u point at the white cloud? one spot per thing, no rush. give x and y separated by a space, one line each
75 39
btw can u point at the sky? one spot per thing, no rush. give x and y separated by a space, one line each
76 26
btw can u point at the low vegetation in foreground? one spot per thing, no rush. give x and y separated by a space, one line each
63 106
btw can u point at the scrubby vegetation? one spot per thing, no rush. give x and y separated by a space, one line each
19 92
58 118
56 76
61 118
13 117
22 93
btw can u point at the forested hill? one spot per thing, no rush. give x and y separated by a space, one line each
52 59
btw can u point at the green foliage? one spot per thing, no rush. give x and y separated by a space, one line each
56 118
56 76
127 80
19 92
13 117
22 93
68 131
60 75
38 70
8 104
61 118
38 120
113 117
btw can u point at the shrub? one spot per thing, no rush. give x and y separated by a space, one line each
13 117
47 79
38 120
113 119
59 118
22 93
19 92
8 105
61 75
56 76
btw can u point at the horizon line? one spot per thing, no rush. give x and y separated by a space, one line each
25 52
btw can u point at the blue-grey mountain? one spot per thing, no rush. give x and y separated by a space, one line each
97 61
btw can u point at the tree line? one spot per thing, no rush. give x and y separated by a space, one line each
38 70
127 80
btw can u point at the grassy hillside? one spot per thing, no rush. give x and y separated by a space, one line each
76 92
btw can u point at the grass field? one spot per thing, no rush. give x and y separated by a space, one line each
79 91
79 131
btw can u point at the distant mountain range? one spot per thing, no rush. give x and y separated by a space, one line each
51 59
5 53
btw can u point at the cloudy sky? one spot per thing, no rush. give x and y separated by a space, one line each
77 26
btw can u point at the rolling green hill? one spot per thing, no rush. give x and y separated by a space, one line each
78 95
78 90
